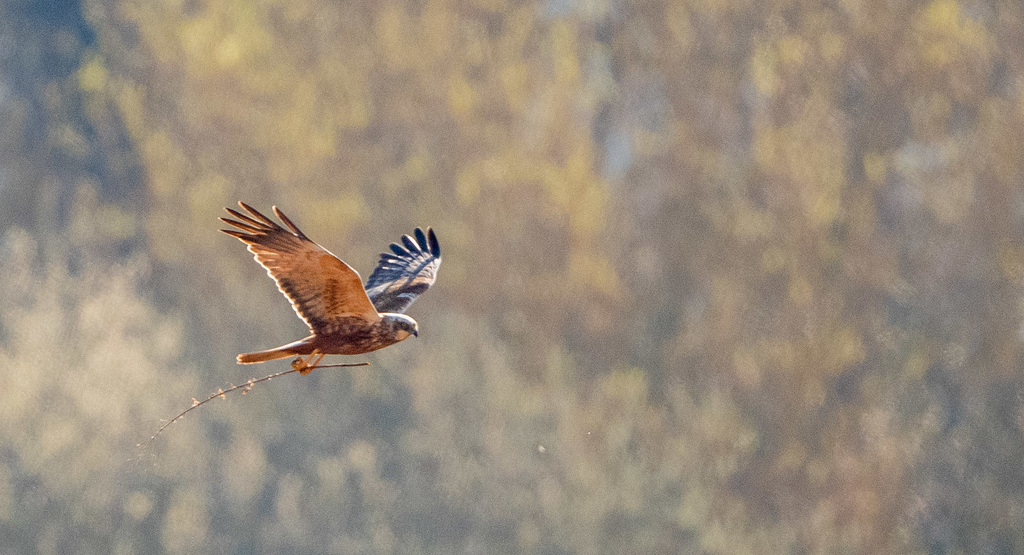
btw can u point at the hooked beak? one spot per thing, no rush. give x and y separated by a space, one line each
415 333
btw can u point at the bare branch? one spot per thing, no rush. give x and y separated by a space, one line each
245 389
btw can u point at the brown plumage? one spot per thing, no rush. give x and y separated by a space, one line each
327 294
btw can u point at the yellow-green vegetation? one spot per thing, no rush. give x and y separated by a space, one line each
720 276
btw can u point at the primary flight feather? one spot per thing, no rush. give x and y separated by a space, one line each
344 317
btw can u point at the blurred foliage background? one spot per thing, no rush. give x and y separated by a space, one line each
720 276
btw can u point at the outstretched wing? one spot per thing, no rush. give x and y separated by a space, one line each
404 273
319 285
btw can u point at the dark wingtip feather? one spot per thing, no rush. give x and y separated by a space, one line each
257 214
410 244
295 229
421 239
397 249
435 247
233 233
240 225
243 217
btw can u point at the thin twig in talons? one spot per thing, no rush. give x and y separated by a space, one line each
319 366
222 393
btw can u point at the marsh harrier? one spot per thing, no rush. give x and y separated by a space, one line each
344 317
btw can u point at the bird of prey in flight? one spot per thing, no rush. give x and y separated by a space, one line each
344 317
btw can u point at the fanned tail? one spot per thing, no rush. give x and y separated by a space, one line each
296 348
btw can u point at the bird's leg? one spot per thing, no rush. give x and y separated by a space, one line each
306 365
313 364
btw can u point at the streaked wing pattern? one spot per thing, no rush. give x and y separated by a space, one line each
404 273
320 286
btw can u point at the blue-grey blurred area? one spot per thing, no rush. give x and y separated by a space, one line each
719 276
